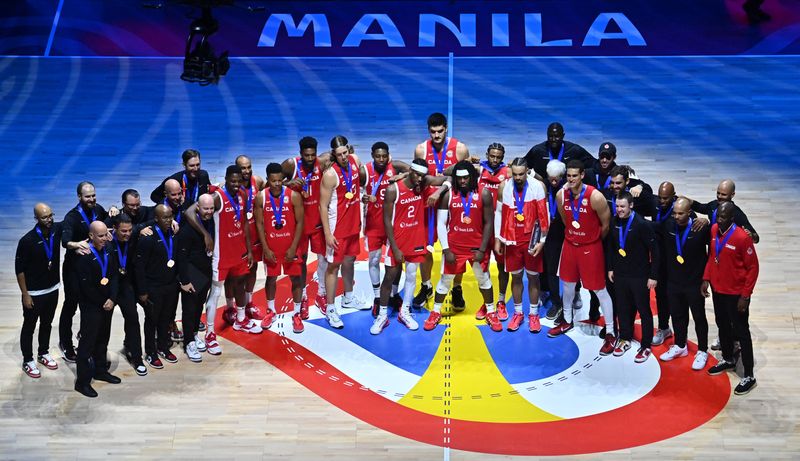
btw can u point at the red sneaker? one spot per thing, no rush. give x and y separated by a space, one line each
433 319
516 321
376 307
268 318
252 311
559 329
297 323
642 355
493 321
229 315
608 344
304 308
322 304
534 324
502 312
481 314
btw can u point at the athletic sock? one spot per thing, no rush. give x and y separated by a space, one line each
428 284
271 304
297 308
384 310
239 314
518 308
490 308
348 297
437 307
501 297
534 310
376 290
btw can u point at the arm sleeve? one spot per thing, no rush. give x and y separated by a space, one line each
441 227
751 267
498 219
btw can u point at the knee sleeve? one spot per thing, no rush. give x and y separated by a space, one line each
322 267
443 287
483 278
568 294
410 283
607 307
375 267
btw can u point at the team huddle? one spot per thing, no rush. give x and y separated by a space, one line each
557 216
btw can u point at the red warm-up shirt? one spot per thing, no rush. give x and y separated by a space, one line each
737 270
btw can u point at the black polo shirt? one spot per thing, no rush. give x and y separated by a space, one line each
76 228
194 189
539 156
31 259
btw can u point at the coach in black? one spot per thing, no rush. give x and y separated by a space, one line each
555 148
36 265
124 243
194 182
98 284
632 259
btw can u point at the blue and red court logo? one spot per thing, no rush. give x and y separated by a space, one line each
462 385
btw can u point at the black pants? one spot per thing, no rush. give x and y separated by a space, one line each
70 305
663 305
133 333
683 299
632 297
191 309
93 345
158 315
44 309
732 325
552 254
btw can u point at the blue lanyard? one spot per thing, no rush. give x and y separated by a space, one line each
104 262
485 165
277 210
178 214
440 160
196 188
86 218
248 204
520 199
560 153
608 181
551 200
348 179
167 246
623 235
122 256
48 247
714 216
306 178
666 215
576 205
680 240
720 244
466 202
235 204
377 185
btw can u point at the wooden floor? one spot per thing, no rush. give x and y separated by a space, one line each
123 123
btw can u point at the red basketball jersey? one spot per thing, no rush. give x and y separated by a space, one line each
279 234
436 163
230 245
464 232
408 220
491 181
376 186
588 219
313 178
250 194
344 214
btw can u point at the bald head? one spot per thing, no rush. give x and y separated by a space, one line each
725 215
205 206
726 190
44 216
244 163
163 216
98 234
206 200
172 185
173 192
666 194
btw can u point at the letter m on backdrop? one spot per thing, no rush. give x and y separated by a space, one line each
322 31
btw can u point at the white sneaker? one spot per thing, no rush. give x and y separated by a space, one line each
333 319
192 353
198 341
381 322
661 336
31 369
248 326
674 352
356 302
407 318
48 361
715 346
212 345
700 359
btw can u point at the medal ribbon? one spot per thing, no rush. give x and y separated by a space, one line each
104 262
377 185
680 240
560 153
167 246
94 215
666 215
277 210
196 188
431 213
520 199
551 200
348 179
720 244
485 165
714 216
440 160
48 247
576 209
608 181
122 256
178 214
307 177
466 202
623 235
235 204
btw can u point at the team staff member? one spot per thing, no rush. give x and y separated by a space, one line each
685 256
74 237
664 205
726 190
556 148
605 162
194 276
279 227
732 271
123 242
633 261
36 266
157 287
97 276
193 181
141 216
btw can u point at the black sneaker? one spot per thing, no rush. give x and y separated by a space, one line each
594 313
107 377
745 385
721 367
396 302
376 304
168 356
154 361
68 353
457 298
139 368
424 295
553 312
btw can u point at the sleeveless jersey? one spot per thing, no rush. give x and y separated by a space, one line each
408 220
344 214
449 154
513 231
590 228
461 235
311 217
250 194
491 181
373 219
230 245
279 240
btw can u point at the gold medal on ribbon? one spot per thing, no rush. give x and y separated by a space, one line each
622 252
349 195
104 281
170 263
576 224
680 259
520 217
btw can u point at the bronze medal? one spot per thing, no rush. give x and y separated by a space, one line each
466 219
104 281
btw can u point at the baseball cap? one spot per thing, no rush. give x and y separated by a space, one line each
607 150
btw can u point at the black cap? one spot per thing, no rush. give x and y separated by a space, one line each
607 150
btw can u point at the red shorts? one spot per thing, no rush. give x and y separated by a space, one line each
498 258
584 263
518 258
410 257
258 253
316 240
221 273
282 266
374 242
348 246
464 257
